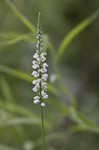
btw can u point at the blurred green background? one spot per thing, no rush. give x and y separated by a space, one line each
71 38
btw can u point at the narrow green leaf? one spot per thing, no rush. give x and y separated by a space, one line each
11 42
20 121
73 33
80 118
15 73
85 128
22 111
84 119
7 39
23 19
53 89
17 109
6 89
14 41
14 35
24 76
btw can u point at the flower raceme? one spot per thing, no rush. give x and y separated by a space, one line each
39 73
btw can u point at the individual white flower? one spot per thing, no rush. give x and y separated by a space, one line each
36 101
36 56
35 89
44 95
35 74
37 85
43 104
35 66
44 85
43 54
43 70
43 59
36 97
45 77
34 62
45 65
39 80
36 81
38 60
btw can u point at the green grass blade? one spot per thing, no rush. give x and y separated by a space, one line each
73 33
25 21
11 42
80 118
20 121
7 39
24 112
85 128
24 76
14 35
6 90
16 73
17 109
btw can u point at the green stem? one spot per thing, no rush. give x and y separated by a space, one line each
42 109
43 129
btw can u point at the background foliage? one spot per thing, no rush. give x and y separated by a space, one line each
70 30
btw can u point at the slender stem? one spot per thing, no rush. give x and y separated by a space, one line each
43 129
42 109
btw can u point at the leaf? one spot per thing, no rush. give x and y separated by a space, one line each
85 128
15 35
6 89
80 118
17 109
73 33
84 120
16 73
13 38
11 42
20 121
24 76
83 124
24 20
23 111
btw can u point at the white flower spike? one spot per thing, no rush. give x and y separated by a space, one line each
39 66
